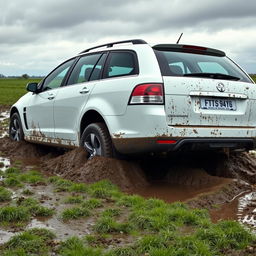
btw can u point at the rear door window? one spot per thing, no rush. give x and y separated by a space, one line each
83 69
121 63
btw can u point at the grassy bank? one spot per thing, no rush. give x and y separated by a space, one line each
12 89
120 224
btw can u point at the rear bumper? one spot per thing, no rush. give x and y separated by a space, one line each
146 145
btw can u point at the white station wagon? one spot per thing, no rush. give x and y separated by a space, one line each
128 97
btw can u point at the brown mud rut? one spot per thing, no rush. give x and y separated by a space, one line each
223 184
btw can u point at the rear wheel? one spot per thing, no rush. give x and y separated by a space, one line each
96 140
15 128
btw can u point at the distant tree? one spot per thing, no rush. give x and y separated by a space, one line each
2 76
25 76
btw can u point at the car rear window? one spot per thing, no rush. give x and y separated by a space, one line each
185 64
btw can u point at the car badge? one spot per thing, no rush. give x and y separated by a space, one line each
220 87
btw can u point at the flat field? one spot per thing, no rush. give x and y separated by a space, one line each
11 89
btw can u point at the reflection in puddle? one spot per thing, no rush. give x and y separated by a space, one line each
177 192
242 209
247 210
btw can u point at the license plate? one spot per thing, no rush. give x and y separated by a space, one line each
218 104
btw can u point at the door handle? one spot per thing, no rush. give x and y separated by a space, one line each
84 90
51 98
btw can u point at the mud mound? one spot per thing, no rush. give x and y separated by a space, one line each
74 166
191 177
20 150
238 165
221 195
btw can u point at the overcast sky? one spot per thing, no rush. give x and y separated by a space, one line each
37 35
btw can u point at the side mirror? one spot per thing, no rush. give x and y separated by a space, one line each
32 87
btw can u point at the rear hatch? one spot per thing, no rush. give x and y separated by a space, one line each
205 88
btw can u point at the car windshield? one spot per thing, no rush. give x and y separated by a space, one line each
199 65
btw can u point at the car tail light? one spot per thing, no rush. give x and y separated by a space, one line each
151 93
166 141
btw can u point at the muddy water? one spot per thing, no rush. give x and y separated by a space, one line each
242 208
177 192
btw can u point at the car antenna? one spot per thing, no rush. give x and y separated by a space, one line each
179 38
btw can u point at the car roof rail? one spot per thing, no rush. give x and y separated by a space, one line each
133 41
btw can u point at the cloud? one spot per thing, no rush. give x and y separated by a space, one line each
36 35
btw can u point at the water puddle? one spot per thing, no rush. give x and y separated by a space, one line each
4 115
242 209
177 192
3 128
5 236
4 163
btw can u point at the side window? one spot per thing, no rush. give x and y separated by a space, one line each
121 64
55 79
212 67
83 69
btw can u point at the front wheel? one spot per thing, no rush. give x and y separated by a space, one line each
15 128
96 140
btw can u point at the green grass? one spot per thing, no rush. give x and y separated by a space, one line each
14 214
32 177
253 77
144 226
35 241
76 247
35 209
12 89
73 200
5 194
75 213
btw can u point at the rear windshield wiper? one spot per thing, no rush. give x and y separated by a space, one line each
214 76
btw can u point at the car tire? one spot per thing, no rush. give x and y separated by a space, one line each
15 128
96 140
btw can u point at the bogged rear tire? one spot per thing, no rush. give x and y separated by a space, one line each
97 141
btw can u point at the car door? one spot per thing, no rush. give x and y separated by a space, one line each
40 109
72 97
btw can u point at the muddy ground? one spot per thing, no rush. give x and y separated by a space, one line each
224 184
205 181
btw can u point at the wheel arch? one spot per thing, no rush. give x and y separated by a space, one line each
14 110
91 116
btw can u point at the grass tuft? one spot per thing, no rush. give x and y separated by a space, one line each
75 246
13 214
73 200
92 203
75 213
109 225
5 194
31 242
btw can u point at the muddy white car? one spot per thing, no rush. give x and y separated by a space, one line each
128 97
